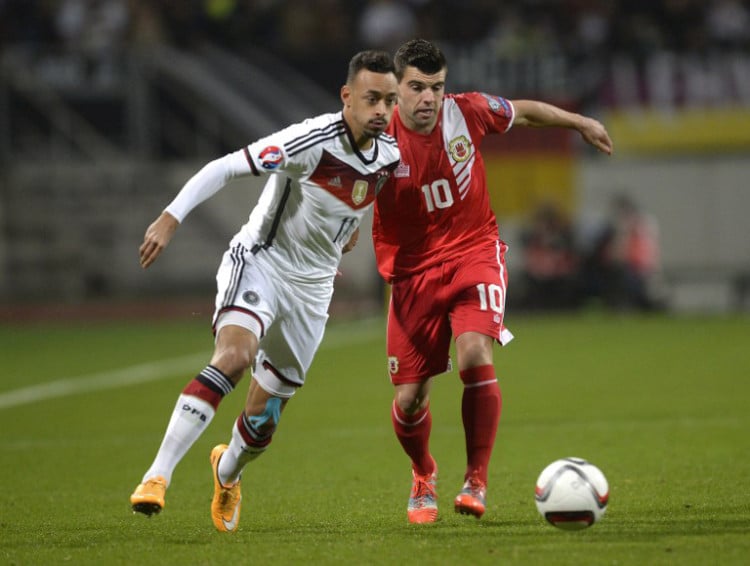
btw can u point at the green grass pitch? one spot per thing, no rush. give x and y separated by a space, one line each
659 404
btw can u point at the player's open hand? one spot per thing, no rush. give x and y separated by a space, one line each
596 134
157 236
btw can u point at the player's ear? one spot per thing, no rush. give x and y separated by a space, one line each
346 95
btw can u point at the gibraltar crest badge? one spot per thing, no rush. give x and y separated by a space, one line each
460 148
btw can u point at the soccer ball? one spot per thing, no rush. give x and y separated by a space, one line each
571 494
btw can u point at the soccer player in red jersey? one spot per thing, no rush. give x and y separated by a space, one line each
437 243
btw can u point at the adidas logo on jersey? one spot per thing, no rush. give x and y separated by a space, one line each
335 182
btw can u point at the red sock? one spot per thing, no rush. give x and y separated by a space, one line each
480 411
413 432
211 385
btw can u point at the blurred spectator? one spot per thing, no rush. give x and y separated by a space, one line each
95 26
728 23
550 261
97 29
624 267
385 24
511 36
592 26
582 30
662 53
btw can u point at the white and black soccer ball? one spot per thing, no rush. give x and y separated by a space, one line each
571 494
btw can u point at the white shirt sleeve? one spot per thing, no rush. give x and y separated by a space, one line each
207 182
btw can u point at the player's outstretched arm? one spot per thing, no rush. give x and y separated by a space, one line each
157 237
540 114
205 183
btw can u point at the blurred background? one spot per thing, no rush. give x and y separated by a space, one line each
108 106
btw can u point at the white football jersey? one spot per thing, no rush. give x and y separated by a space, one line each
320 186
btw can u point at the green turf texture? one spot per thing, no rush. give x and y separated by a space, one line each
659 404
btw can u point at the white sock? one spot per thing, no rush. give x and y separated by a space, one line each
236 457
191 416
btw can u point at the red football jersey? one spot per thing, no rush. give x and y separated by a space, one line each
436 206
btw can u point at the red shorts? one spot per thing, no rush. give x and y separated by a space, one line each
426 309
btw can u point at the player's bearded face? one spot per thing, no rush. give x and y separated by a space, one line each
420 97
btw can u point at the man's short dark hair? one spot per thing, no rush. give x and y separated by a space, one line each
419 53
372 60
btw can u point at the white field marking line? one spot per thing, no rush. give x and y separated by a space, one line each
103 380
341 336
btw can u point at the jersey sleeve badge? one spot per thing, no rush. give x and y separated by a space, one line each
498 105
270 157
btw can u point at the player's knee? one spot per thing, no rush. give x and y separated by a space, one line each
233 360
473 349
411 402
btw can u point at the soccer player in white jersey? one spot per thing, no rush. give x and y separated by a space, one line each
275 281
437 243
